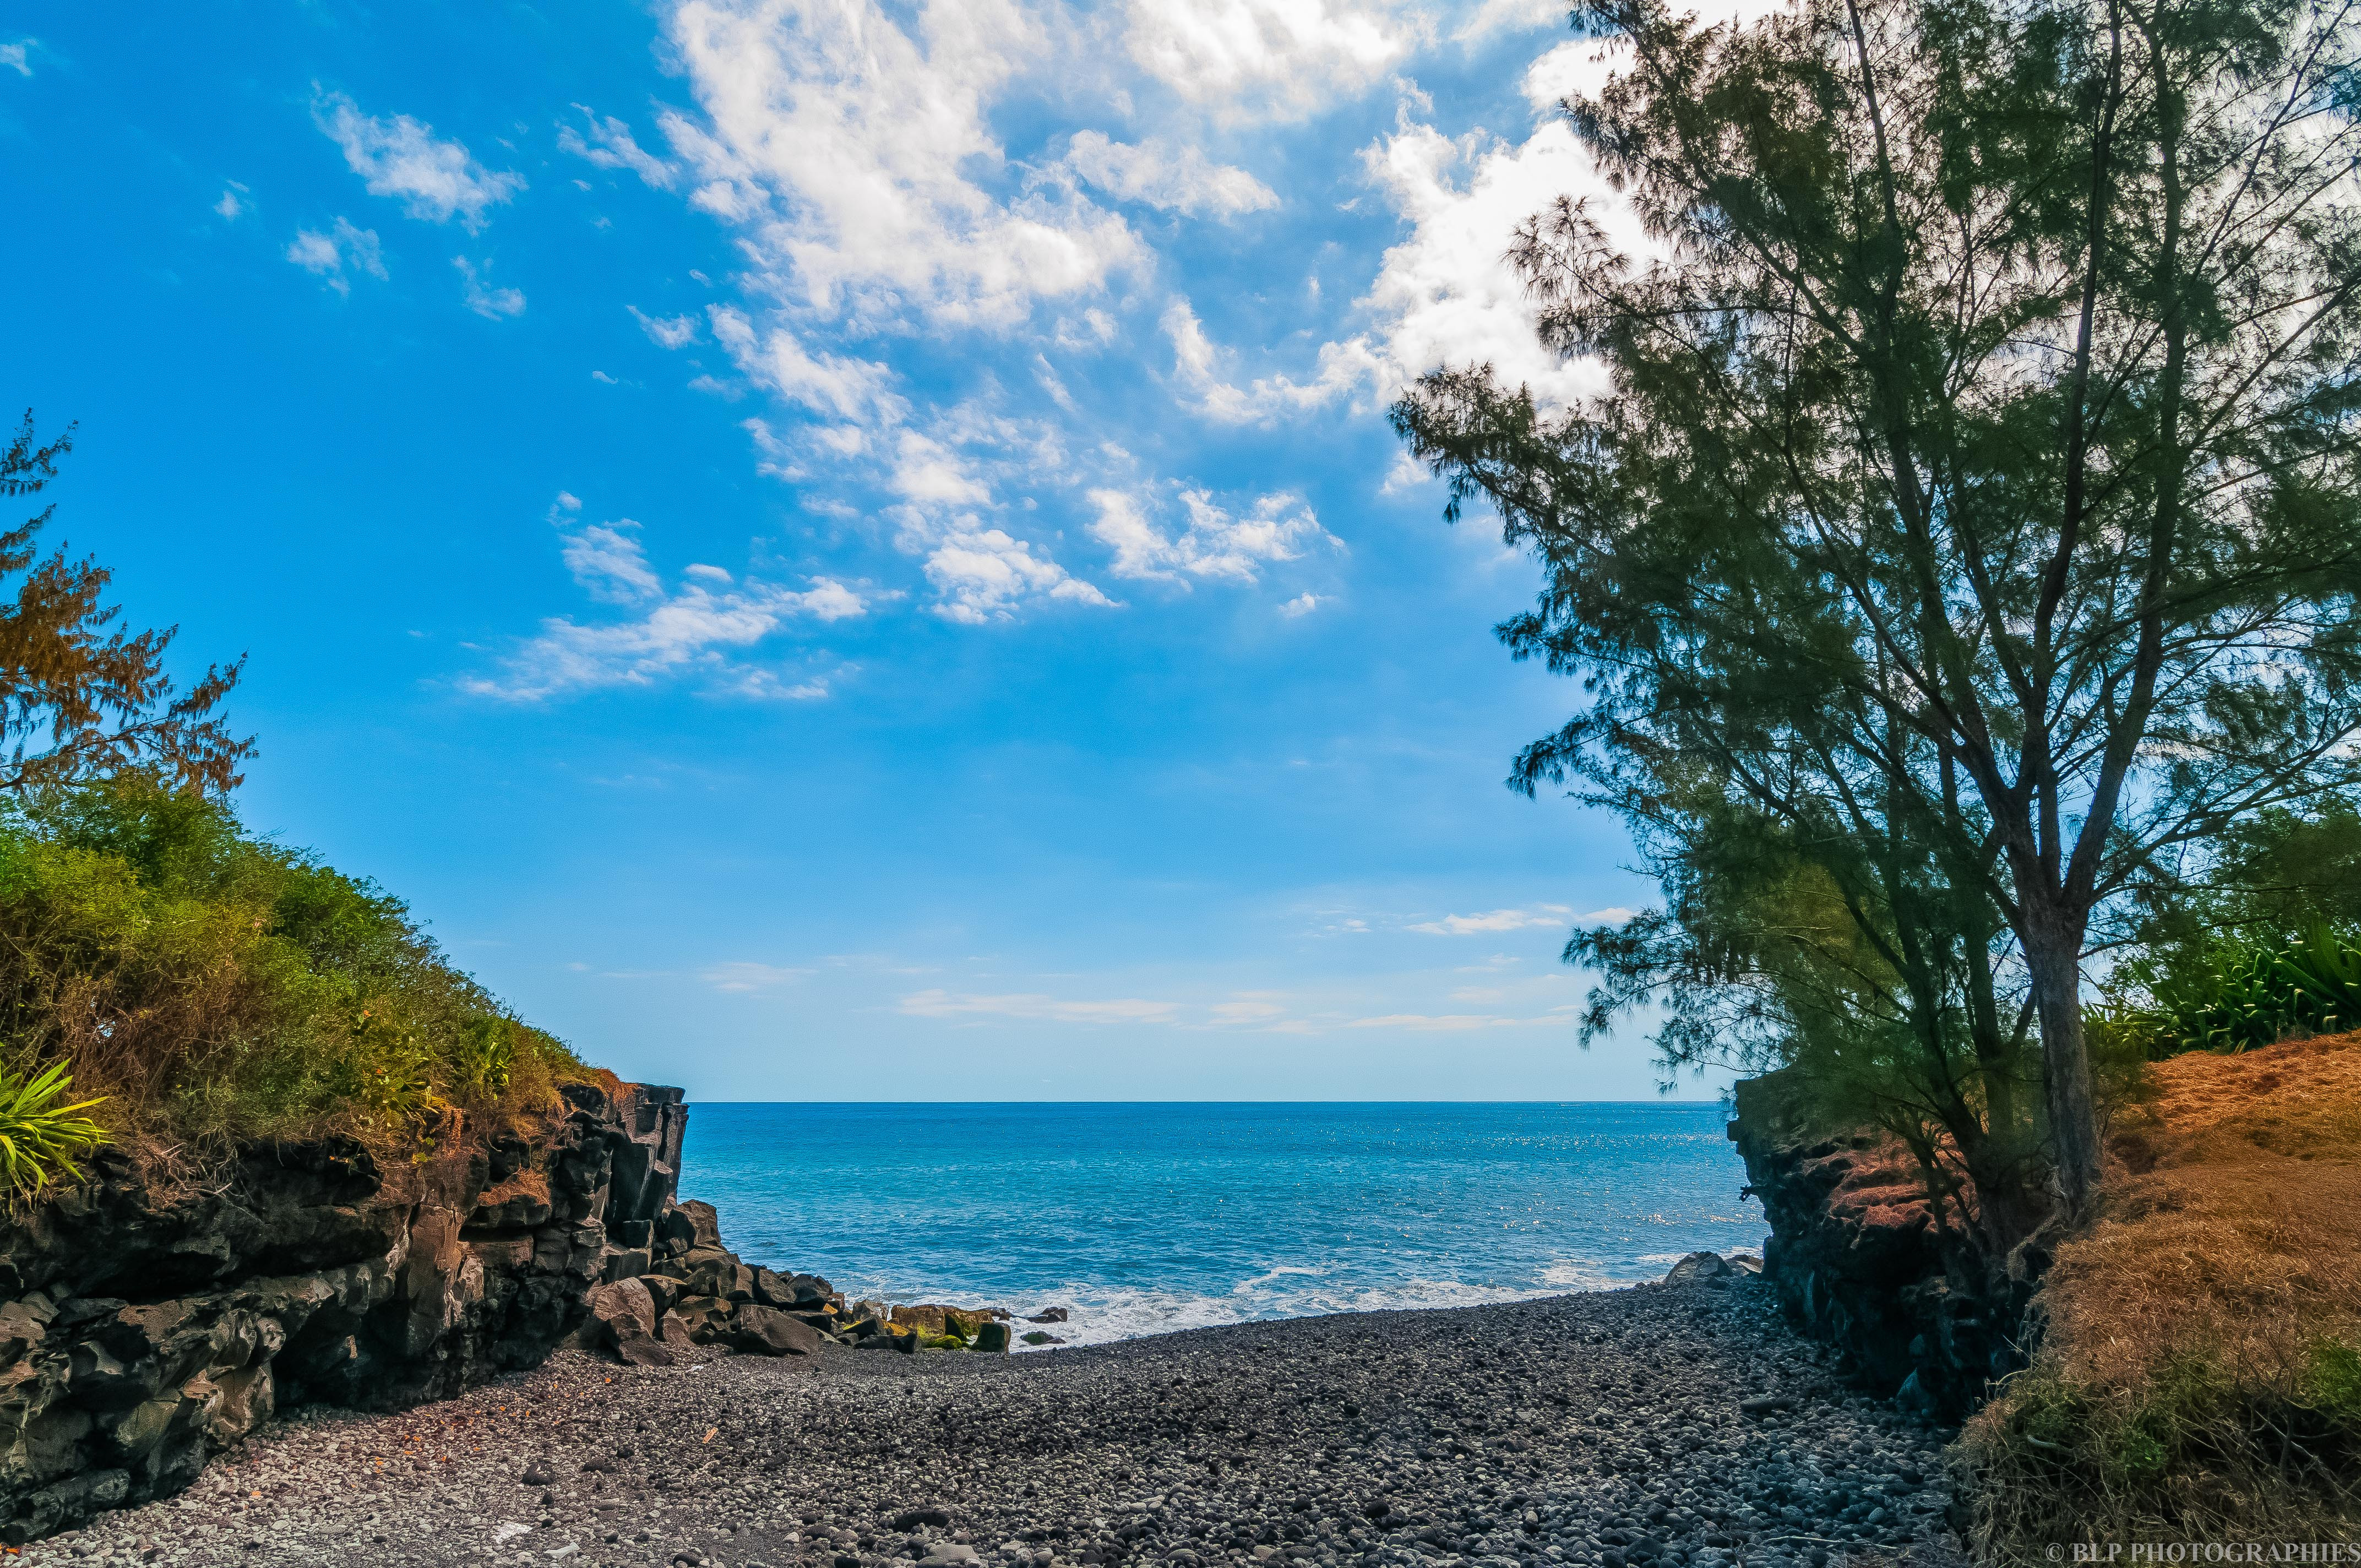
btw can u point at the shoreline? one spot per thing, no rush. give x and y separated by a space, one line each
1605 1428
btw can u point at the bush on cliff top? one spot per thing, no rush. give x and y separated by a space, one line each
217 989
2199 1373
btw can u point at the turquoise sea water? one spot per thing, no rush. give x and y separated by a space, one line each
1142 1218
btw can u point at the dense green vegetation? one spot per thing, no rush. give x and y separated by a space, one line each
168 981
217 989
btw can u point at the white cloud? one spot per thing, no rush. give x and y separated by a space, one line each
1175 178
481 298
607 560
1264 59
1216 543
1498 920
609 145
746 977
438 181
1445 294
17 57
332 254
847 150
1035 1008
229 206
1444 1024
695 628
776 358
1512 16
983 573
1196 363
1301 604
667 331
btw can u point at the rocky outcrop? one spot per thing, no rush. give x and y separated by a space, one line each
143 1331
1860 1262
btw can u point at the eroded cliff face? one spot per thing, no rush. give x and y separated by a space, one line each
1860 1262
140 1334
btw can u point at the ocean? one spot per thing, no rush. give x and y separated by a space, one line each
1142 1218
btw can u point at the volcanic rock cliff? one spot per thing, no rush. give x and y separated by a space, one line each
145 1331
1860 1261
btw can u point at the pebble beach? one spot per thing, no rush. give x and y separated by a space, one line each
1669 1426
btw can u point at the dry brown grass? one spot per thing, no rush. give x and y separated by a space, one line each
2199 1375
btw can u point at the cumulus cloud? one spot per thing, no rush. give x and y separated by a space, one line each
436 181
1214 543
480 296
230 206
694 629
1264 59
334 255
1301 604
983 573
607 143
1445 294
1177 178
845 147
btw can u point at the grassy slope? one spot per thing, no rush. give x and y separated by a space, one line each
220 990
2199 1375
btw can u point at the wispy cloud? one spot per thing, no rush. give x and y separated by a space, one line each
1526 918
665 331
751 978
607 143
1174 178
340 251
1198 365
436 181
1214 543
1032 1006
699 628
231 206
480 296
17 57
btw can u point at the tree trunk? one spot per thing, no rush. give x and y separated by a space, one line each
2053 959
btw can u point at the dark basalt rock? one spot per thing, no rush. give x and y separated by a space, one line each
143 1332
1860 1262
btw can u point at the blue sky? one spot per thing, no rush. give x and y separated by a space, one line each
847 551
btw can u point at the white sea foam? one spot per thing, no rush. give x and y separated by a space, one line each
1099 1314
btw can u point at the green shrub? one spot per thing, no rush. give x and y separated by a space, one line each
220 989
2232 996
40 1138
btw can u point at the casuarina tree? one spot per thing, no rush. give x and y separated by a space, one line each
1975 467
80 698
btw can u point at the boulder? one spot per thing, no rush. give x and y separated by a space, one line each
707 1318
766 1331
623 1311
662 1289
705 1225
938 1320
1048 1315
991 1337
1698 1267
1040 1337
